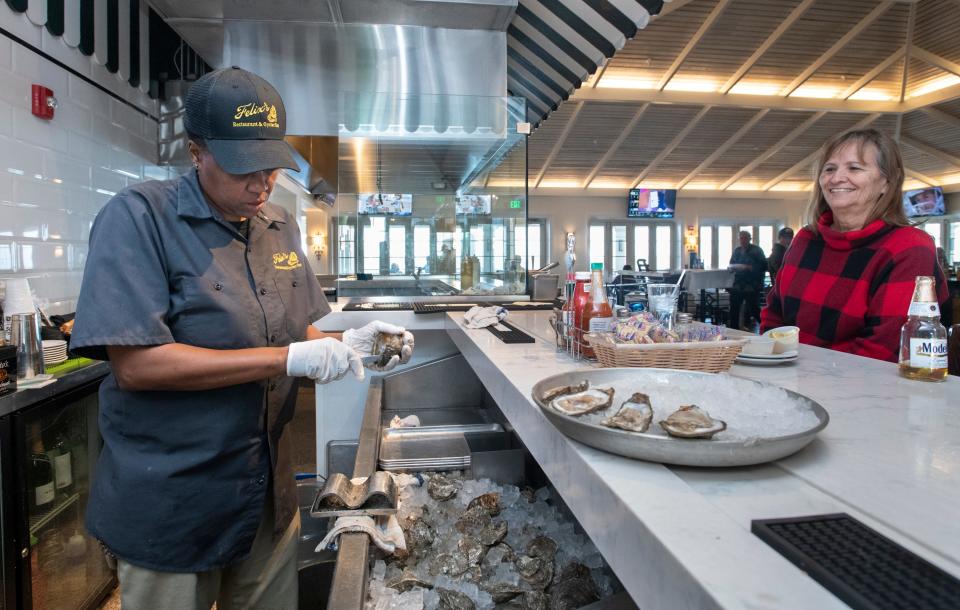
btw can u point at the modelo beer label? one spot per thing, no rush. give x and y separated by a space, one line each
928 353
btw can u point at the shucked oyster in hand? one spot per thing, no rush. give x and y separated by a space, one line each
581 403
634 415
386 346
692 422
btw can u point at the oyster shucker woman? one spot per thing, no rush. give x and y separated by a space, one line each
848 277
196 291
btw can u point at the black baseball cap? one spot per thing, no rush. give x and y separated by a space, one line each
241 119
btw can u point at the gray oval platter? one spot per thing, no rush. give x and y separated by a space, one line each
714 452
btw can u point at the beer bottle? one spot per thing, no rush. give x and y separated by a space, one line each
923 339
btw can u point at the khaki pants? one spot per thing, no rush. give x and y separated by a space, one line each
266 580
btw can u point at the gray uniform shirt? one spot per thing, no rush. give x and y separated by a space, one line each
181 480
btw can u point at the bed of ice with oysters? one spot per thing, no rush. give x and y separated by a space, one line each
751 410
527 514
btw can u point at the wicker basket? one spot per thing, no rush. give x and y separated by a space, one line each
709 356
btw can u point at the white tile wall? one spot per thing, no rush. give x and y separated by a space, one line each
55 175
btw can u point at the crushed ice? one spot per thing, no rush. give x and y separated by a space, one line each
527 515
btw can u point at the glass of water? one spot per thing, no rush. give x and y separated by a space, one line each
663 302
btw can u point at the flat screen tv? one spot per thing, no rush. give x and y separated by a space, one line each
474 204
390 204
924 202
649 203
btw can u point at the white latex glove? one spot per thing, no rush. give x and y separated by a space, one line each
323 360
362 339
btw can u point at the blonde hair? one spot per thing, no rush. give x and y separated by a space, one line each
889 207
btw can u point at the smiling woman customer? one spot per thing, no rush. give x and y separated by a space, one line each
848 276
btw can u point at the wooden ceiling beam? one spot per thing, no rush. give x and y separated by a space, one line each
688 48
624 134
874 73
560 141
739 100
790 137
812 156
671 6
912 173
724 147
911 26
935 60
837 46
932 151
943 117
677 139
769 42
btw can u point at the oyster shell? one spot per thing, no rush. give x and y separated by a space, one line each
543 547
537 571
534 600
451 564
406 581
472 549
573 589
386 346
634 415
419 536
493 533
691 421
475 518
441 488
454 600
496 555
490 502
581 403
501 592
552 393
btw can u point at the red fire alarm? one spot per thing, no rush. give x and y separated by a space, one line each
43 103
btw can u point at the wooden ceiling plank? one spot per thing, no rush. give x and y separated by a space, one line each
812 156
724 147
671 146
911 26
773 149
935 60
669 7
769 42
837 46
700 33
559 144
931 150
874 73
943 117
738 100
912 173
616 145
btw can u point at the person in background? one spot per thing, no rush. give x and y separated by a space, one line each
942 259
784 237
196 291
848 277
749 265
447 265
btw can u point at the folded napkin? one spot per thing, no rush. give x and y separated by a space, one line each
385 532
481 317
410 421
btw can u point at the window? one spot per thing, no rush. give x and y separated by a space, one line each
421 246
374 235
346 253
499 247
664 245
535 253
619 258
398 249
706 246
955 242
765 239
933 229
478 248
641 243
597 245
724 245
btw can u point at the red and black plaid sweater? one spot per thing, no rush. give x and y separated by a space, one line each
851 291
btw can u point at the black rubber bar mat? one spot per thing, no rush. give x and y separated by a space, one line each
859 565
511 335
378 307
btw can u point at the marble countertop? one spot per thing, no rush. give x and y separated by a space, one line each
679 537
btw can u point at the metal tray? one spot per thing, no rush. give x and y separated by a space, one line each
664 449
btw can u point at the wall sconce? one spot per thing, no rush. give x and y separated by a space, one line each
316 243
690 239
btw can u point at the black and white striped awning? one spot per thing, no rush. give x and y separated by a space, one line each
553 46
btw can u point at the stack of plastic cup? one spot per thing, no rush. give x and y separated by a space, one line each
17 299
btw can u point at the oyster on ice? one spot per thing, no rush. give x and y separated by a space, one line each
634 415
581 403
552 393
691 421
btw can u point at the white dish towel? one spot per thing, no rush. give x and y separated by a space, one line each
481 317
385 532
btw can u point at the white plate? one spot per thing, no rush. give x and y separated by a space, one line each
23 383
784 356
762 362
54 343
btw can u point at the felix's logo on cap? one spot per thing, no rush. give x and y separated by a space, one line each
246 111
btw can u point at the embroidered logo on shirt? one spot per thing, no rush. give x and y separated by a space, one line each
286 261
249 111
